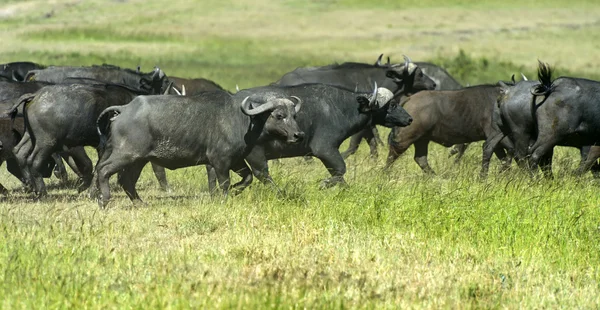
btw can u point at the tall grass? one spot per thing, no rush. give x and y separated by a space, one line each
395 239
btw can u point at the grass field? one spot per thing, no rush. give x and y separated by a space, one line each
395 240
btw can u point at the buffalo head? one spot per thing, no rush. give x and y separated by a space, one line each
278 114
409 77
385 109
155 82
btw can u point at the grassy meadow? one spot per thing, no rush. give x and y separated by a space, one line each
388 240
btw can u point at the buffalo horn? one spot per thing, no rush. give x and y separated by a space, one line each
378 63
269 105
168 89
298 103
237 88
524 77
373 100
182 90
407 63
176 91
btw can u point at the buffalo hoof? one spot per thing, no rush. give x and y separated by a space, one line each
84 184
331 182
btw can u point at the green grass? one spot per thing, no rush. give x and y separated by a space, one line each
389 240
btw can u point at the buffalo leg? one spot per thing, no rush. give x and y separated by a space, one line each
421 150
243 171
223 177
36 162
13 167
399 140
458 150
375 133
128 179
212 179
59 169
83 165
3 189
372 137
260 166
336 166
589 160
546 164
105 169
354 143
21 152
489 147
161 176
540 149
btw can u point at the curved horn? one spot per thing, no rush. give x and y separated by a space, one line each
269 105
406 62
378 62
373 100
176 91
168 89
298 103
512 78
182 90
388 63
14 76
237 88
524 77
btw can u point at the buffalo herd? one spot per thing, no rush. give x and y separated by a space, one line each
133 118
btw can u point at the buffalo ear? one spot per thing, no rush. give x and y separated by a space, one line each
393 75
363 104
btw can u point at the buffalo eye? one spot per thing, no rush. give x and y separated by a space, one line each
279 116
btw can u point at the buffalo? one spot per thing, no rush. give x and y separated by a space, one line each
401 79
214 128
63 116
329 115
448 118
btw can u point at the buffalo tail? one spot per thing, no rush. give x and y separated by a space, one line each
103 124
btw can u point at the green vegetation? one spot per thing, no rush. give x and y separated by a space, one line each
388 240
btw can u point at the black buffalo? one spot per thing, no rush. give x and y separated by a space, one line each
329 116
448 118
214 128
443 81
64 116
194 86
561 112
16 71
401 79
148 82
513 116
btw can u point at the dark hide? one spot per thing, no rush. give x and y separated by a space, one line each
328 117
177 132
194 86
448 118
155 82
16 71
59 117
566 112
